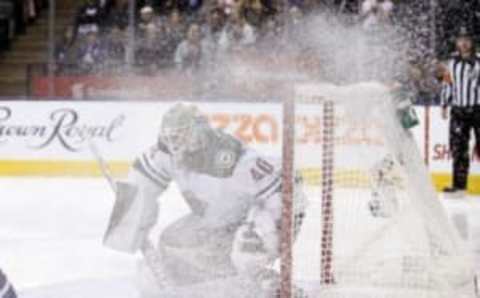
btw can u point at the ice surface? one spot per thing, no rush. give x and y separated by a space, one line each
51 232
107 288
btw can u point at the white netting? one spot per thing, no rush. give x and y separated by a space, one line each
374 227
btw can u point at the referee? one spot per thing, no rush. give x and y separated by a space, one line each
460 92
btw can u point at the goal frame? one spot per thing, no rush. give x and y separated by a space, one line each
326 179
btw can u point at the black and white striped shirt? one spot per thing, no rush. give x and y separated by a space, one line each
6 289
461 84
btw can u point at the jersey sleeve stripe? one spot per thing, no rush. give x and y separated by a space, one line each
160 173
272 188
138 165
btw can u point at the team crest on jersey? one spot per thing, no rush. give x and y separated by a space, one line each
225 159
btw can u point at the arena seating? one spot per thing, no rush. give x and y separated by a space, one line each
6 23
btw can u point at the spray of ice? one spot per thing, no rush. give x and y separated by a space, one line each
322 47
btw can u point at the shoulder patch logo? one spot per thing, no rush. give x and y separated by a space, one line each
225 159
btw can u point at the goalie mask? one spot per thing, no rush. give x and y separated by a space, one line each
180 130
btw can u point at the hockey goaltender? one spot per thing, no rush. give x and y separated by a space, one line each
226 245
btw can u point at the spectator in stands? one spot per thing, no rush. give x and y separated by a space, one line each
115 48
148 54
167 49
295 15
294 27
189 6
147 20
214 27
252 11
91 54
105 6
238 33
89 17
215 21
271 31
376 12
451 14
66 50
118 14
176 24
173 34
229 7
163 7
192 51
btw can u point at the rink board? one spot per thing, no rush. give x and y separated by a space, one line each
46 138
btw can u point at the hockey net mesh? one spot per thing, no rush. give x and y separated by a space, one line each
373 226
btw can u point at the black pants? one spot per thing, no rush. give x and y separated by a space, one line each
462 121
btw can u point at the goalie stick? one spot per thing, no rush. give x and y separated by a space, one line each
148 251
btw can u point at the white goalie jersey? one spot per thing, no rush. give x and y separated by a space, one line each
222 184
220 194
